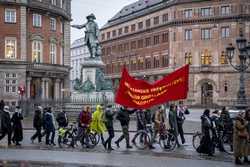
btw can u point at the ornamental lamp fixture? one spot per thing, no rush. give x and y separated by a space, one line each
230 52
241 43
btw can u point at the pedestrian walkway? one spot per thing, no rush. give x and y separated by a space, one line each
101 159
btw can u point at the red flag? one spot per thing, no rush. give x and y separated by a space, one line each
141 95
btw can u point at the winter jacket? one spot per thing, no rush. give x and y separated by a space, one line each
49 122
123 116
62 119
109 114
5 121
85 118
37 120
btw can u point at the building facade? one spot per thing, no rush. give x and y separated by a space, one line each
154 38
78 52
34 49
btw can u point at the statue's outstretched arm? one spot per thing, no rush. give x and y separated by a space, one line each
79 26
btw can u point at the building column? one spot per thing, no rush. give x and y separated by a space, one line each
28 82
43 88
47 88
57 89
23 32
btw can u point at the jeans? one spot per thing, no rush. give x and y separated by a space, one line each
48 139
38 135
111 136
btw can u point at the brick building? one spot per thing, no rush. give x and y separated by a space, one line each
155 37
34 48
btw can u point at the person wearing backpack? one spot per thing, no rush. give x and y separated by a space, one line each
6 124
123 117
109 114
37 124
62 119
180 120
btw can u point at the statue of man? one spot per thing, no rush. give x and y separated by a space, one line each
91 35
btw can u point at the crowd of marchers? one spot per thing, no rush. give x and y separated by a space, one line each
88 125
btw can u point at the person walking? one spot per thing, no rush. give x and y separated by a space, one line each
2 104
206 143
62 119
17 126
37 124
240 139
6 124
49 125
123 117
109 115
141 123
180 120
159 119
84 121
98 122
172 116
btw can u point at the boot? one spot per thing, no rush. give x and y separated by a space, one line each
129 147
238 161
117 144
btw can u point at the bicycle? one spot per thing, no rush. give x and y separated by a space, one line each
86 138
66 136
143 138
167 139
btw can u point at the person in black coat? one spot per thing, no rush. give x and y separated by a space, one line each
17 126
49 125
37 124
109 114
123 117
6 124
62 119
2 104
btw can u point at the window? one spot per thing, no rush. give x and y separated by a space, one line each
225 32
37 51
53 24
156 62
156 40
147 41
108 35
165 18
140 65
164 37
103 36
126 46
188 34
225 10
174 36
120 31
10 15
206 34
62 55
62 27
223 58
165 61
140 43
37 20
148 23
114 33
188 13
10 48
148 63
133 45
140 25
188 58
11 83
206 58
156 20
53 2
62 3
126 29
225 86
132 27
205 12
53 53
133 65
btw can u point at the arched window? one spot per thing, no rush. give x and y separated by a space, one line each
37 51
206 58
188 58
223 58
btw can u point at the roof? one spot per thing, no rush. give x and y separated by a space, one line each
77 43
142 7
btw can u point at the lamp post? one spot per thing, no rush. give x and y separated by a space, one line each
244 57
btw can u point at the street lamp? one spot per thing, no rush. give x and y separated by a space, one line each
244 57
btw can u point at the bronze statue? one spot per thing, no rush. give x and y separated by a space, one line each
91 36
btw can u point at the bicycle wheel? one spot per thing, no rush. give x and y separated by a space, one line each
168 141
92 140
227 143
196 140
141 140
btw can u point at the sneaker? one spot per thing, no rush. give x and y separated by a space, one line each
117 144
129 147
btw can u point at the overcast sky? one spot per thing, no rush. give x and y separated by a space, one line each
103 10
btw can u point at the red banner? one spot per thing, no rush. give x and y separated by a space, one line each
140 94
